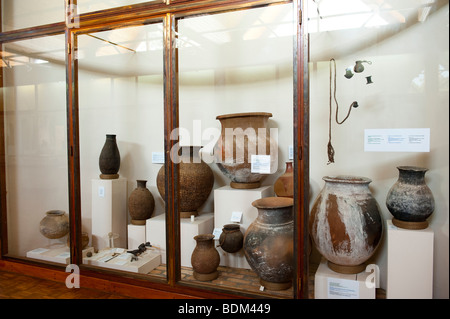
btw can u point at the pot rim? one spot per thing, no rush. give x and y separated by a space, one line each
347 179
55 212
232 115
412 168
204 237
273 202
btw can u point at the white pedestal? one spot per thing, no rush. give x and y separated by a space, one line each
147 261
58 253
229 201
409 263
136 236
109 212
332 285
156 234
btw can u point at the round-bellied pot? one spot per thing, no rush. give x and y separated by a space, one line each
284 185
244 135
231 238
269 242
109 159
196 181
205 258
141 203
55 224
410 200
345 223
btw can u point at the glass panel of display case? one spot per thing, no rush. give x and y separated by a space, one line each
236 84
35 158
19 14
84 6
121 116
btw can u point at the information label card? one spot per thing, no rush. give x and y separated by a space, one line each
397 140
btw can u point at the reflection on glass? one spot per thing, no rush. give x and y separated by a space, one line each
237 62
84 6
121 135
34 110
19 14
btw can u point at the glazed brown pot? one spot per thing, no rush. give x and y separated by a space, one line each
233 155
141 203
231 238
55 224
284 185
410 200
205 258
196 181
345 223
269 242
109 159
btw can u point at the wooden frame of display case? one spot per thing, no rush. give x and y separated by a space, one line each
167 12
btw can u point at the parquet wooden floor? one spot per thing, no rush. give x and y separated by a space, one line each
17 286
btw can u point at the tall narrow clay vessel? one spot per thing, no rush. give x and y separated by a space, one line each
244 135
410 200
55 224
196 181
345 223
284 185
141 203
205 258
269 242
109 159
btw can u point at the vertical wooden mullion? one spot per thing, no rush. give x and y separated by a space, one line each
171 122
301 151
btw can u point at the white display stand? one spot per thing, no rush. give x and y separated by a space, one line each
147 261
332 285
409 263
109 212
136 236
156 234
58 253
230 203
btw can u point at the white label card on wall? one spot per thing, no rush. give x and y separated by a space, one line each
260 164
291 152
343 288
236 217
158 157
217 232
397 140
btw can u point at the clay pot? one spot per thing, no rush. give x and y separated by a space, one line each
284 185
84 240
55 224
269 242
233 155
410 200
109 159
345 223
231 238
141 203
196 181
205 258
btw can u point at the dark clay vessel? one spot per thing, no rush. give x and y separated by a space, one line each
410 200
205 258
109 159
141 203
231 238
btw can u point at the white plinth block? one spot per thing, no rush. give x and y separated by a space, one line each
156 234
229 203
58 253
136 236
332 285
109 212
409 263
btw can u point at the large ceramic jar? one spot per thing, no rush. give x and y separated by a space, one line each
109 159
196 181
231 238
410 200
55 224
269 240
141 203
345 223
284 185
205 258
244 135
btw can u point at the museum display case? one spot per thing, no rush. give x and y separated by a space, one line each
115 120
